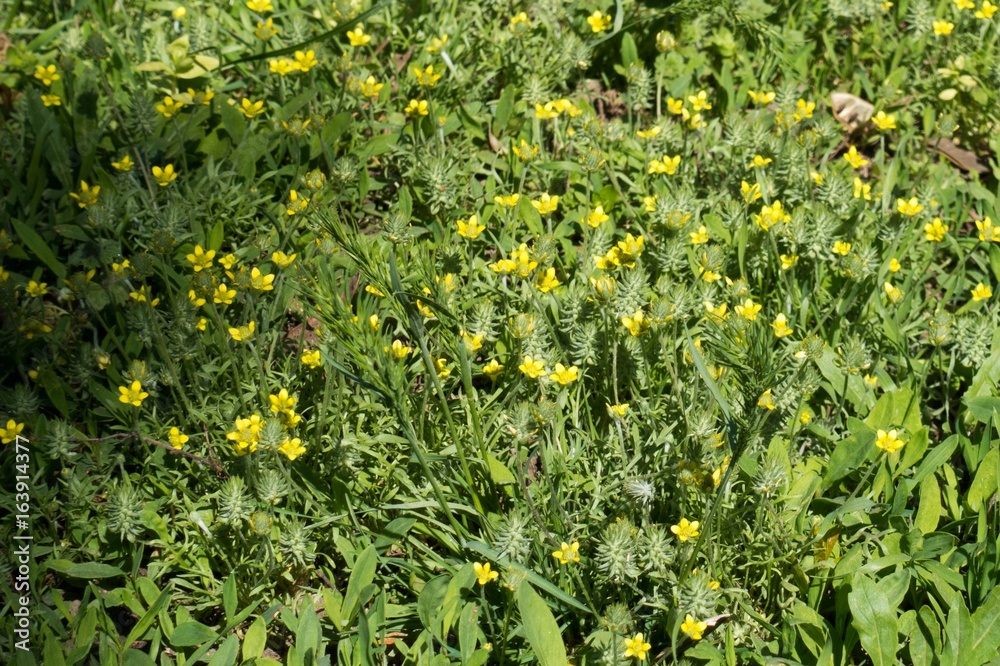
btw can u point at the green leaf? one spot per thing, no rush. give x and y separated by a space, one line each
133 657
985 484
958 633
229 598
191 633
499 472
254 640
848 455
308 634
540 627
874 620
630 54
227 653
394 532
361 577
939 455
505 107
146 621
985 631
983 408
929 511
92 570
468 631
39 247
925 641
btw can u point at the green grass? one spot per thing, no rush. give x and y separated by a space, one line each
610 312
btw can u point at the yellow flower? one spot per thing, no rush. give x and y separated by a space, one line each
804 110
201 324
766 400
716 313
223 294
788 260
564 375
667 165
470 228
761 98
292 448
312 358
200 259
518 19
817 177
483 573
260 281
759 161
243 333
699 102
888 441
854 159
546 203
202 98
524 150
675 106
283 260
884 121
36 289
780 326
685 530
472 342
651 133
710 276
909 208
805 418
649 203
281 401
617 411
251 109
357 37
935 231
503 266
870 381
532 368
981 292
637 324
964 4
10 433
493 369
524 264
842 248
164 176
771 215
547 281
699 237
748 310
281 66
567 553
599 22
417 108
695 629
441 366
228 261
51 100
132 395
373 322
943 27
629 250
296 204
862 190
265 29
140 296
987 231
87 195
437 44
305 60
750 192
169 107
894 293
177 438
426 77
260 6
597 216
546 111
509 200
987 11
894 265
637 647
124 164
400 350
47 75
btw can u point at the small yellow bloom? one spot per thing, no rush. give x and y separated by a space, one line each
987 10
437 44
987 230
596 217
853 158
803 110
132 395
761 98
373 322
668 165
518 19
200 259
862 190
426 76
509 200
637 324
717 313
400 350
177 438
637 647
699 237
260 6
51 100
291 448
981 292
686 530
470 228
771 215
884 121
483 573
545 204
124 164
817 177
599 22
617 411
87 195
417 108
265 29
10 433
493 369
871 381
532 368
36 289
805 418
251 109
894 293
766 400
305 60
47 75
164 176
564 375
201 324
243 333
964 4
281 401
312 358
675 106
942 28
909 208
281 66
282 260
228 261
935 231
567 553
894 265
296 203
357 37
170 106
547 281
888 441
699 102
472 342
223 294
781 327
261 281
651 133
748 310
759 161
842 248
750 192
695 629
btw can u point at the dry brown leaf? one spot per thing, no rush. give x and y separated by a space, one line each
963 159
850 110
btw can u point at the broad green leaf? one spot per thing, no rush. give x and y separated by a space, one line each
504 108
308 634
984 485
229 598
540 627
227 653
958 634
92 570
146 621
499 472
133 657
929 511
983 407
38 247
848 454
874 620
361 577
925 641
939 455
254 640
985 631
191 633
